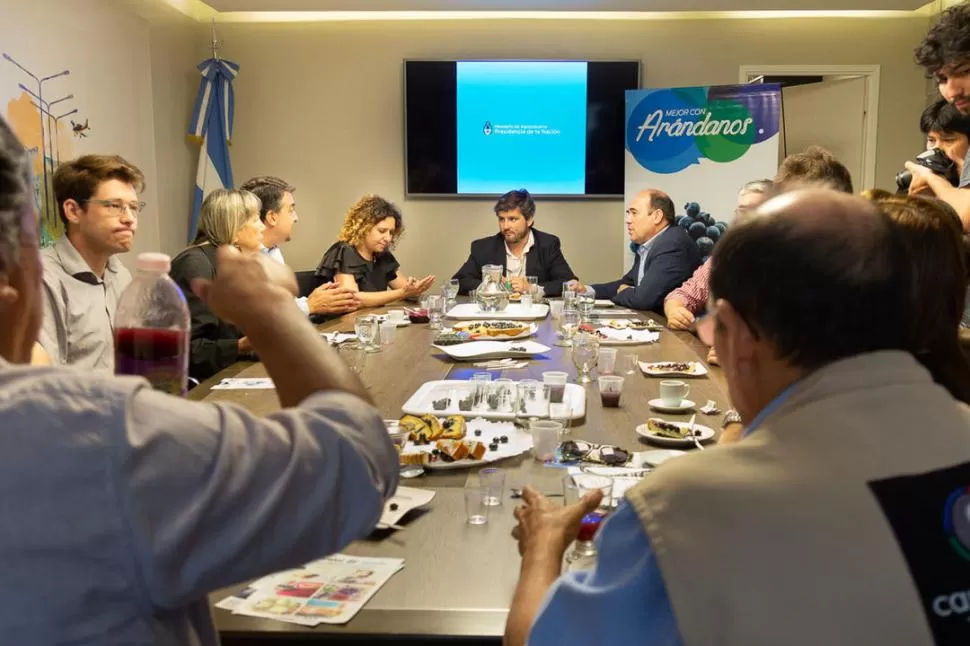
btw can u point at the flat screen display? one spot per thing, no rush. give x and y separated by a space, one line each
482 128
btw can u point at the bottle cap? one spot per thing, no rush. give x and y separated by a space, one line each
157 262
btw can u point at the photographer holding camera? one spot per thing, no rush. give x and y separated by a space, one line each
945 55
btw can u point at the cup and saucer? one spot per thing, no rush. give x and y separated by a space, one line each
673 397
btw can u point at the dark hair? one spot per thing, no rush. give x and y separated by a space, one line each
16 180
270 191
78 180
815 166
948 41
941 116
663 202
520 200
819 290
933 236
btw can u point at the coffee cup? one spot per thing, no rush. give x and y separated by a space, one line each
673 392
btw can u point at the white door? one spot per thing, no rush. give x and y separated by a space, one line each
831 114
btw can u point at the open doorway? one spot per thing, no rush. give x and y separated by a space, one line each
834 106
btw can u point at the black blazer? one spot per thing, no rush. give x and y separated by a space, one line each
672 259
544 260
214 343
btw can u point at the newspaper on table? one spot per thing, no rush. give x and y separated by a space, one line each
328 591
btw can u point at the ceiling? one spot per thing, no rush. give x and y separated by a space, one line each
564 5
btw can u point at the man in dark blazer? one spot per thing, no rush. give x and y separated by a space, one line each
520 249
665 258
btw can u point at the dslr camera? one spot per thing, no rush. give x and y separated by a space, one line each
934 159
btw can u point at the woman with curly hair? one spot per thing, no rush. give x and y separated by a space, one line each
361 259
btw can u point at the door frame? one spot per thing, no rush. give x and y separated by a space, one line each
871 117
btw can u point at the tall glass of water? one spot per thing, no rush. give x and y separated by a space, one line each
450 291
585 305
367 330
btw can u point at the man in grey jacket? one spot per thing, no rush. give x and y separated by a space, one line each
124 507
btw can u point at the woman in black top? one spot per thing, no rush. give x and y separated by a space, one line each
227 217
361 258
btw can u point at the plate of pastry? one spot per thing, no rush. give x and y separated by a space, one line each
456 442
664 433
622 336
493 349
496 330
673 368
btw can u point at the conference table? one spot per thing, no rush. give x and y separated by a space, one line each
458 579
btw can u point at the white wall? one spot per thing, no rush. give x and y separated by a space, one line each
320 104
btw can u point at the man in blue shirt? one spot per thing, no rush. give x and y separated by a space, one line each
666 255
777 539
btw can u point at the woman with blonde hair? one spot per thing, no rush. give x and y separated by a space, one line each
227 218
361 259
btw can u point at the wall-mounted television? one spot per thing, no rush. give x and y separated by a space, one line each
482 128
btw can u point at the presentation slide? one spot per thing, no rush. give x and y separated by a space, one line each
521 125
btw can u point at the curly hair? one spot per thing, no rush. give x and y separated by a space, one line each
365 215
16 180
948 41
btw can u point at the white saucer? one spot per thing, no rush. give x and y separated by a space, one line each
658 456
658 404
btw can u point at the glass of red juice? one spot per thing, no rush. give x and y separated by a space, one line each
611 388
575 487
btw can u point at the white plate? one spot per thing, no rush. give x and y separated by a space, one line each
658 456
502 337
520 441
492 349
603 302
614 312
514 312
405 499
654 369
658 404
703 433
623 324
626 337
420 403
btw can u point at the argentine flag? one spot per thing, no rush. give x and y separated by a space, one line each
212 127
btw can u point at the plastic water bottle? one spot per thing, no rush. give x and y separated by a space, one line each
152 327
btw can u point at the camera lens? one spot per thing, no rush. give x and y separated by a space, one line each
903 179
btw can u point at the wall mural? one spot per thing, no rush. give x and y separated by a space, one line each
44 119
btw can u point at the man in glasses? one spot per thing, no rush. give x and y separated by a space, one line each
842 517
97 200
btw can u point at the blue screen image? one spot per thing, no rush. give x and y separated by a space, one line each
521 124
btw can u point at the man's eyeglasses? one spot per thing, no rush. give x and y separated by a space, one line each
117 207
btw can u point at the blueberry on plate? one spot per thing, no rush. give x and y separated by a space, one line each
504 439
393 506
478 432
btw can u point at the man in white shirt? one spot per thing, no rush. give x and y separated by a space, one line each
278 213
140 504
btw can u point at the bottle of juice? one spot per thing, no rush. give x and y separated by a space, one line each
152 327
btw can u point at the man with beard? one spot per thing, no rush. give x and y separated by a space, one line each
519 248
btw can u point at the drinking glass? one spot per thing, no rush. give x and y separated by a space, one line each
611 389
526 302
555 308
436 311
531 399
480 382
562 412
354 355
368 332
568 323
606 361
630 364
585 305
450 291
494 481
533 283
585 349
388 332
568 294
583 553
538 294
476 511
545 438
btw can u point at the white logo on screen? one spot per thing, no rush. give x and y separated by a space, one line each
488 128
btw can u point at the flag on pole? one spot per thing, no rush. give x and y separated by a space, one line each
212 127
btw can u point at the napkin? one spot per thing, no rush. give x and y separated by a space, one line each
336 338
253 383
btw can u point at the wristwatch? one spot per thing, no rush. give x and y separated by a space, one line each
731 417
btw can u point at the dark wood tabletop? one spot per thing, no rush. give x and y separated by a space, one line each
458 579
